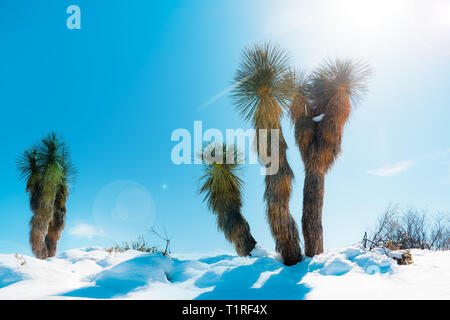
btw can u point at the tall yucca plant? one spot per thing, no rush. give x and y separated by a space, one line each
319 111
262 90
49 172
222 188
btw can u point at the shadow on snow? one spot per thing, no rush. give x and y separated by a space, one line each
125 277
266 278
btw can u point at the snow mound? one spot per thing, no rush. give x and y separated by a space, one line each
319 117
340 261
347 273
259 252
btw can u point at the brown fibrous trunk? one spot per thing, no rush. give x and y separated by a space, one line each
313 192
55 229
320 144
237 230
282 224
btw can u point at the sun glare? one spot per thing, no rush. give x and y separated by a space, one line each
444 14
370 15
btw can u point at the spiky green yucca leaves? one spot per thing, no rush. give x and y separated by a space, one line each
48 171
264 79
264 84
222 190
27 165
328 91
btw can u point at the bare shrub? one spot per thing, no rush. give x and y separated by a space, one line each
166 239
411 229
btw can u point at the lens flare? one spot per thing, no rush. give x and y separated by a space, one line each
124 209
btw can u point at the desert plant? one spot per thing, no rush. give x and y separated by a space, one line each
48 171
166 239
142 245
139 245
319 110
222 190
261 94
410 229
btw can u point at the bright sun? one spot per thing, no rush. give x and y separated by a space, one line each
370 15
444 14
366 25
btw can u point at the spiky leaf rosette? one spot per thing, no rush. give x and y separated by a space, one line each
264 81
47 164
55 165
27 165
221 184
349 75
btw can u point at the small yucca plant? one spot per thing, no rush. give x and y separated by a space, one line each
222 190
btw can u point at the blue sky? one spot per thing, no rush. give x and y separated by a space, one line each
137 70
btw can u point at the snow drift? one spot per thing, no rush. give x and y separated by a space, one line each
348 273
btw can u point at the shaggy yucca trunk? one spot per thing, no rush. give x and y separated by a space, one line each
313 191
39 227
325 143
278 186
237 231
313 187
301 114
44 215
57 224
324 147
277 195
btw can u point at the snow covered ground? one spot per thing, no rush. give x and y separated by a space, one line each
348 273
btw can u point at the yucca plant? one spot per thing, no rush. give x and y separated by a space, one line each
48 171
319 110
262 91
222 190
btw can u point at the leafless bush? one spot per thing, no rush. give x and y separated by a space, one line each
410 229
139 245
440 232
166 239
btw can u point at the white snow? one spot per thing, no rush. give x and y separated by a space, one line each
347 273
319 117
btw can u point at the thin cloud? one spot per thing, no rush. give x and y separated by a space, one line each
216 97
390 170
223 93
84 230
